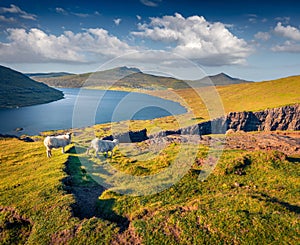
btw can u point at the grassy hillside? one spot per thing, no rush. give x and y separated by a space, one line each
55 201
239 97
46 201
17 90
132 78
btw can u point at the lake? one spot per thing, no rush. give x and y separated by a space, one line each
83 107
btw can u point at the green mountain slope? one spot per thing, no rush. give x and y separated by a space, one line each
16 90
133 78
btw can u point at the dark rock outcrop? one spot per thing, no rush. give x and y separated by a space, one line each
283 118
129 137
23 138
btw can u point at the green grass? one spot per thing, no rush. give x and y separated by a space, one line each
260 205
31 185
238 97
263 208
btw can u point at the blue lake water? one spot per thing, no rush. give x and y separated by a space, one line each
82 107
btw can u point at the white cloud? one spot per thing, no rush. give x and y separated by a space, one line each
13 9
138 17
150 3
81 15
197 39
284 19
265 36
5 19
288 46
288 31
61 11
35 45
117 21
252 20
292 34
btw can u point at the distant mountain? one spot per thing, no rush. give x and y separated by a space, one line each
50 74
100 78
219 79
132 78
16 90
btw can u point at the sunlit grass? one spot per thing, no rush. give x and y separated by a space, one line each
249 198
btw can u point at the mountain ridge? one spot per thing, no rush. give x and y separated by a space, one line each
134 78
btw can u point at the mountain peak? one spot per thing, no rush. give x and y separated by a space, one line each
221 79
222 74
125 68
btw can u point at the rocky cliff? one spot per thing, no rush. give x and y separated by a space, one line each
283 118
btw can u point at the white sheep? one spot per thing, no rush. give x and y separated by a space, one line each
103 146
56 142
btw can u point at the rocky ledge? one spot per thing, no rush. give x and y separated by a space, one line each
283 118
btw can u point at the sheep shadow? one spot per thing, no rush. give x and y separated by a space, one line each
293 159
292 208
86 193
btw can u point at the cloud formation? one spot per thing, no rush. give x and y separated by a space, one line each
37 46
197 39
62 11
288 31
5 19
287 46
292 34
265 36
117 21
13 9
150 3
193 38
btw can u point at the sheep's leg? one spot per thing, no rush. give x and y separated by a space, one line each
63 149
96 153
48 152
87 150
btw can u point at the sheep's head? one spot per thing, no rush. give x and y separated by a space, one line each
116 141
69 135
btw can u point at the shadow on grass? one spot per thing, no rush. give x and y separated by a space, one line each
293 159
86 192
288 206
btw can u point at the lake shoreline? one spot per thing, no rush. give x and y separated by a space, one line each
85 108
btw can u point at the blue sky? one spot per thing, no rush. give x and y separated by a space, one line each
253 40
